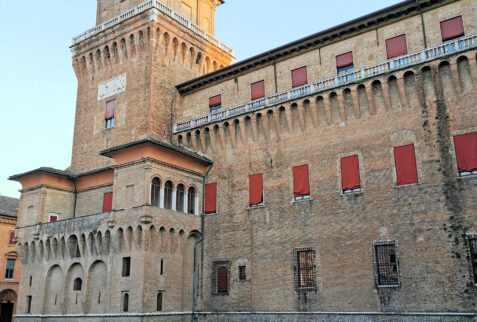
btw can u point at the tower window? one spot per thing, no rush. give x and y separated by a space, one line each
159 301
125 302
215 106
162 267
53 217
107 202
168 195
109 114
386 264
155 192
28 304
211 198
77 284
256 190
304 268
180 195
242 273
10 267
406 171
191 200
344 63
126 266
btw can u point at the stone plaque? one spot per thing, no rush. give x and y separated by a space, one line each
112 87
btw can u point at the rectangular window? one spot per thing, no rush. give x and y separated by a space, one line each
109 114
301 184
28 304
452 28
242 273
211 198
350 181
256 189
344 63
107 202
53 217
12 238
466 153
473 256
126 266
299 76
125 301
10 268
215 106
405 158
396 46
386 264
305 275
258 90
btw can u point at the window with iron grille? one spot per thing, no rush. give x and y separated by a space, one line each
305 274
220 278
386 264
473 256
242 273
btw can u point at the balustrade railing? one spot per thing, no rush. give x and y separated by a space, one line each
442 50
153 4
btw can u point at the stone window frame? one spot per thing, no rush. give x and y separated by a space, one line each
375 263
468 237
214 282
296 273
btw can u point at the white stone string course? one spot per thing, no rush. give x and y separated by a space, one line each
356 76
153 4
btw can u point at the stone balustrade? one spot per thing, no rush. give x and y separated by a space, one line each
356 76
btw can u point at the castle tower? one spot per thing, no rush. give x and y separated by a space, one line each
127 67
116 231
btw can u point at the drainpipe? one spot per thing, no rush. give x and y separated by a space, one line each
422 23
202 227
172 114
75 197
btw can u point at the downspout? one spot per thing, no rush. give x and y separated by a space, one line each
202 227
172 114
75 197
422 24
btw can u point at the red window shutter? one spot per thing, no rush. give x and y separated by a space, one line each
107 202
350 173
466 151
53 218
405 158
301 185
110 107
211 198
222 280
344 60
12 236
452 28
258 90
396 46
215 101
256 189
299 77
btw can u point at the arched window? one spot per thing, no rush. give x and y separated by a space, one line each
159 301
125 302
155 192
77 284
191 200
180 191
222 280
168 195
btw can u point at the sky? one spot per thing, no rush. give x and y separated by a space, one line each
38 85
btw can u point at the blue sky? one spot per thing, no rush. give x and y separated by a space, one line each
38 85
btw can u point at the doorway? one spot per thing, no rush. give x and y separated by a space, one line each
6 310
